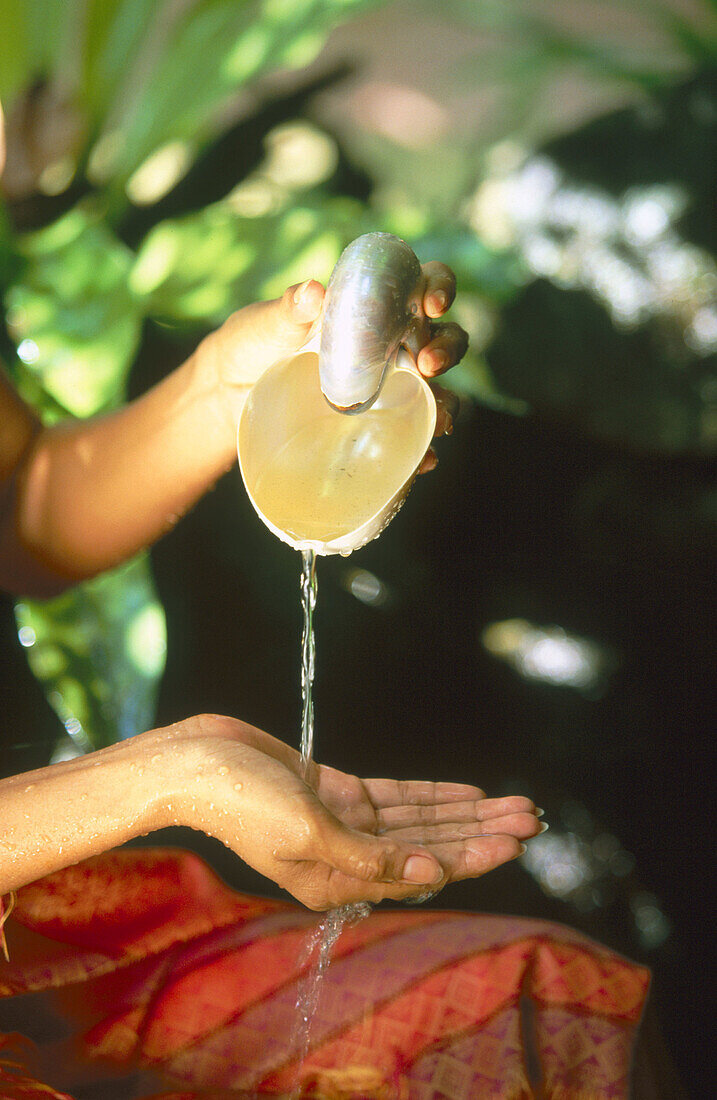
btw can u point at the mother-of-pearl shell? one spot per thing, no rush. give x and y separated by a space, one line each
373 304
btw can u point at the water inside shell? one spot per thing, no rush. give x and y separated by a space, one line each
321 480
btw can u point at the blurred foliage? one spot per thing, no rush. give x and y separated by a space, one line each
144 73
73 316
98 651
111 106
94 90
196 268
615 332
529 41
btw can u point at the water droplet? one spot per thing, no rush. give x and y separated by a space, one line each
30 787
224 771
156 759
238 786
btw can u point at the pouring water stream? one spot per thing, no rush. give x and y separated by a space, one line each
322 479
309 592
322 940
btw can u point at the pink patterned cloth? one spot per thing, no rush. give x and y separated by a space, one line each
162 978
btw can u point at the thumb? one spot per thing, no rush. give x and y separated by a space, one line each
254 337
291 319
375 859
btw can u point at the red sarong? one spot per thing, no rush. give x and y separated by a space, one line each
162 977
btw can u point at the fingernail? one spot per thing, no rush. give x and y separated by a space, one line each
300 290
543 827
439 360
440 299
523 849
448 429
421 869
539 812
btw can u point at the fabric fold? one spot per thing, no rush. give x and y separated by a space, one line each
158 968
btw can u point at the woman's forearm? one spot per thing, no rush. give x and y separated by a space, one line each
89 494
340 839
78 498
56 816
207 772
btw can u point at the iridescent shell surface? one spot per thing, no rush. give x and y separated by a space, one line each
373 305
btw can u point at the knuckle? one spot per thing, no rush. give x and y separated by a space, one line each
427 815
375 867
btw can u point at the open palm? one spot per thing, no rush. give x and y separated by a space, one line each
467 833
335 838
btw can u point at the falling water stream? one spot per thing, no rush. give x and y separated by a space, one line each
308 657
317 952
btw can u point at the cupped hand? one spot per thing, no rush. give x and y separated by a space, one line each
335 838
255 337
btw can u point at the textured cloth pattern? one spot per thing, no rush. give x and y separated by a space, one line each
163 977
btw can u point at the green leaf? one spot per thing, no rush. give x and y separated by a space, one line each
184 70
99 652
198 268
113 31
15 52
495 275
72 315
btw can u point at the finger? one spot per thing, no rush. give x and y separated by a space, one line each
302 302
273 328
447 346
480 809
439 288
428 462
398 817
475 857
522 826
285 323
510 804
417 792
460 860
365 856
320 887
447 405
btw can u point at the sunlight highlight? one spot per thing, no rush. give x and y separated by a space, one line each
547 654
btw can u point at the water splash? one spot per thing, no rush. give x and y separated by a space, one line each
321 941
318 948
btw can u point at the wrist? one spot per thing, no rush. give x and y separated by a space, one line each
183 773
162 763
